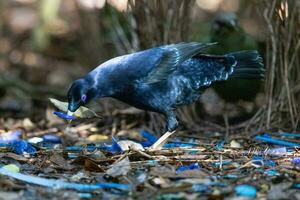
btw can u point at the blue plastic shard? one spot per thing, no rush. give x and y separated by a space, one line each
218 184
52 138
64 115
114 147
58 184
4 145
74 148
276 141
272 172
258 160
296 186
217 164
20 147
274 151
152 163
85 195
194 166
245 191
269 172
72 155
267 135
80 148
231 176
296 162
220 145
150 138
200 188
10 136
177 144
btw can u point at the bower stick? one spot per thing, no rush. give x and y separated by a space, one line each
161 141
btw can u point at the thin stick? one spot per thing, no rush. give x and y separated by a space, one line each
161 141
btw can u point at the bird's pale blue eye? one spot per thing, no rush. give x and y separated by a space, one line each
83 98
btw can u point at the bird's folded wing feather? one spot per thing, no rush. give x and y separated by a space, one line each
173 55
209 69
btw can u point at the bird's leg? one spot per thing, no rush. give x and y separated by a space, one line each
225 116
172 124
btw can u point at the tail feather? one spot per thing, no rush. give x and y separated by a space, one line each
249 65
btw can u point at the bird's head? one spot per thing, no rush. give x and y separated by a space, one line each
79 94
226 21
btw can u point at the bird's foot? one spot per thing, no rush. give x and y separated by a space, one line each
161 141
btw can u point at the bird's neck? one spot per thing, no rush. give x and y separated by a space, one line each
100 84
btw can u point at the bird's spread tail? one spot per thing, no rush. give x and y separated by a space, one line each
249 65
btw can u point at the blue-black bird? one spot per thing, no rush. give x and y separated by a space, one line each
163 78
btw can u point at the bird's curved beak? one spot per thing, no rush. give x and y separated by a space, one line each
71 109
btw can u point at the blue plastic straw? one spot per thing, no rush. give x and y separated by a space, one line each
285 134
276 141
58 184
64 115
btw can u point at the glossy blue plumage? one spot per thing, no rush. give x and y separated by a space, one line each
158 79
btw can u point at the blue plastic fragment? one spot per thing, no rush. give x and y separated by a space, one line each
230 176
150 138
10 136
72 155
74 148
4 145
141 176
269 139
85 195
296 162
52 138
218 184
152 163
245 190
280 150
177 144
20 147
217 164
267 135
114 147
296 186
269 172
64 115
194 166
272 172
59 184
258 160
200 188
285 134
220 145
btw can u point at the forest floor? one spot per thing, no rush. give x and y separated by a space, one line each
81 160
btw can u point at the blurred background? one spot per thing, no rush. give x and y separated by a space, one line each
47 44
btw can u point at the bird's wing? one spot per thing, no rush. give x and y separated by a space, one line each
172 56
203 70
